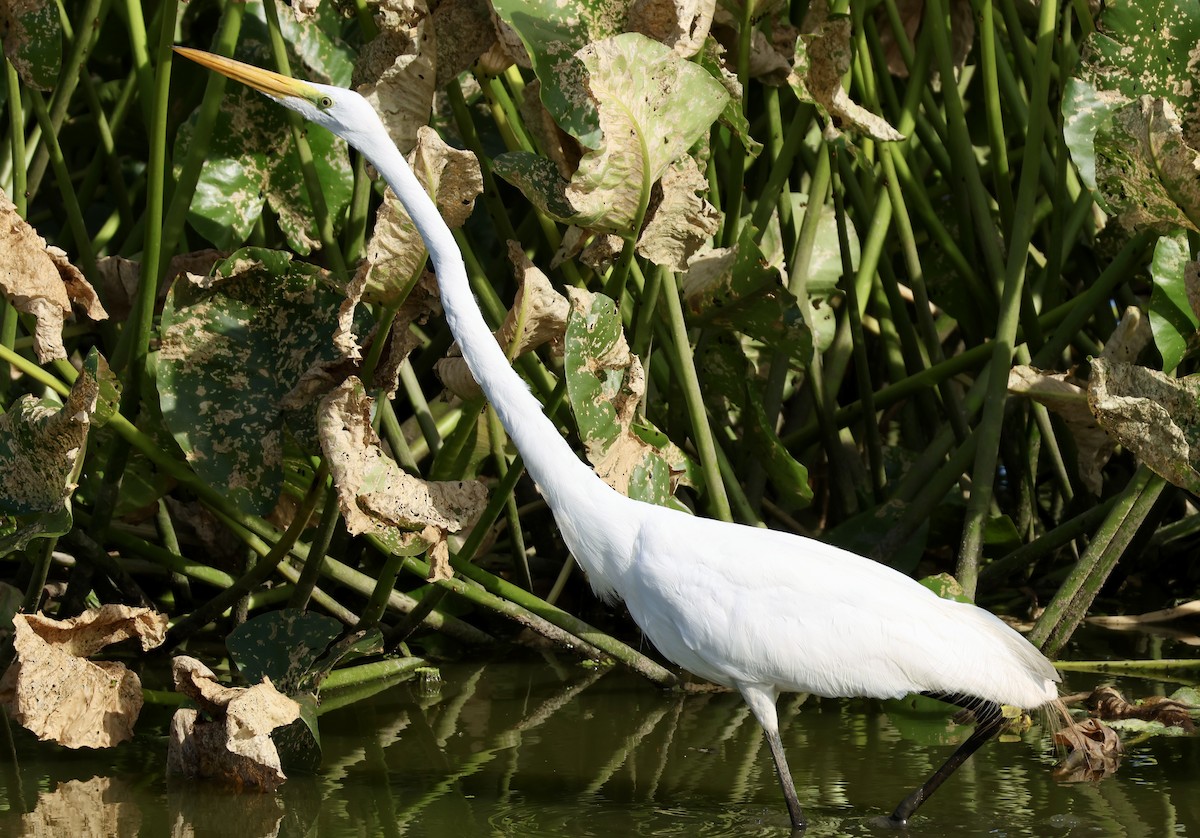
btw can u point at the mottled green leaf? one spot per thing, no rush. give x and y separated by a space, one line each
945 586
538 178
252 160
232 347
1172 319
1146 170
605 386
33 41
552 32
1142 49
42 445
1153 415
734 288
653 107
733 115
283 646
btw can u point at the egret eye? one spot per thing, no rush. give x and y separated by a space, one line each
325 103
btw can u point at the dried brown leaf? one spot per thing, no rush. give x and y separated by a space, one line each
1153 415
396 70
1093 752
102 807
54 691
377 496
464 32
822 58
1107 704
682 25
538 311
1059 393
235 746
40 281
1132 335
682 219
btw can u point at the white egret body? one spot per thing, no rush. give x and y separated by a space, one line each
760 611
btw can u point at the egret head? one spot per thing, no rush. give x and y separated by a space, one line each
337 109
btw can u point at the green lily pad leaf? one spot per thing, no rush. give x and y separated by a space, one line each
233 346
42 445
1172 318
538 178
33 42
283 646
605 386
1146 170
653 107
552 32
945 586
734 288
1153 415
733 115
1141 48
252 162
824 272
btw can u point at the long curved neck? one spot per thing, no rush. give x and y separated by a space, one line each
549 459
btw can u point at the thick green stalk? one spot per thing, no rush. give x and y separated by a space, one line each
1075 595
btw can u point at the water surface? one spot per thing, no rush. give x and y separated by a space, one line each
549 748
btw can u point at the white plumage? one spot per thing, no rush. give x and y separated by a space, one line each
760 611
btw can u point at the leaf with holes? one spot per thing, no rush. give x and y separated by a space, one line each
233 345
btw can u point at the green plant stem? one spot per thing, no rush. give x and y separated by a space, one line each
259 573
1075 595
1004 344
312 181
702 435
314 563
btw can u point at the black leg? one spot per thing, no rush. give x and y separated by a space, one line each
989 720
785 781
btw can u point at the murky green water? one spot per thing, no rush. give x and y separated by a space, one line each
538 748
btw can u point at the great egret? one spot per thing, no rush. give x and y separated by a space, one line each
760 611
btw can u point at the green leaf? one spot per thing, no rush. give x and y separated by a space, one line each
735 289
33 42
42 444
252 162
552 32
605 385
232 348
539 180
1172 319
653 107
945 586
283 646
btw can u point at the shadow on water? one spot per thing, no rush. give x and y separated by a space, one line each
530 749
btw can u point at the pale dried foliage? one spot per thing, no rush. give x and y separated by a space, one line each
396 71
102 807
396 251
375 495
40 281
538 312
682 25
822 59
57 693
235 746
